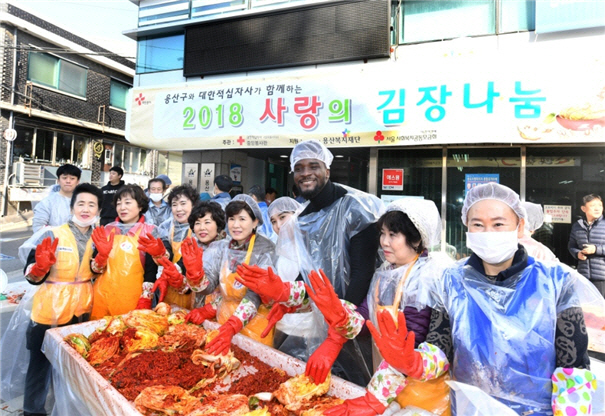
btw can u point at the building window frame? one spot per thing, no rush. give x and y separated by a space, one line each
60 68
114 98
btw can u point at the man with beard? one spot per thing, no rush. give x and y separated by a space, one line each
339 231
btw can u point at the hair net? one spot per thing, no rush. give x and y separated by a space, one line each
252 204
535 216
310 149
495 191
283 204
424 215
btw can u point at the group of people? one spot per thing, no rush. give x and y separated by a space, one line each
341 282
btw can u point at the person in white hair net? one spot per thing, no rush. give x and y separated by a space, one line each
336 229
502 321
533 221
408 230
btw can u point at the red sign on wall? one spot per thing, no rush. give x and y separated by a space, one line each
392 179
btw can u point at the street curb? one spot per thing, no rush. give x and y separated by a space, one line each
14 225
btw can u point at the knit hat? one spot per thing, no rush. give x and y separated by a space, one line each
424 215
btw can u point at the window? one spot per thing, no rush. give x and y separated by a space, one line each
44 145
422 21
160 53
38 145
131 159
57 73
118 93
24 143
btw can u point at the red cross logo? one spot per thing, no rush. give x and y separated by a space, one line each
241 140
140 99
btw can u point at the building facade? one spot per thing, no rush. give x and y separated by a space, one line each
65 100
415 99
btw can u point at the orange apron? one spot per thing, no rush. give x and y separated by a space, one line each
67 291
233 292
119 288
432 395
172 296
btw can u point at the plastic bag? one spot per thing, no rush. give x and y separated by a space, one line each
472 401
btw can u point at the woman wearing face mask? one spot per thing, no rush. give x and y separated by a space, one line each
207 221
407 230
238 308
176 229
59 267
126 255
505 322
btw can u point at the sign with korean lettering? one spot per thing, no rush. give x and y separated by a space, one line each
207 178
392 179
478 99
236 174
473 179
191 174
559 213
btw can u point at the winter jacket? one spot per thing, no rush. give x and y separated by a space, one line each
593 267
108 211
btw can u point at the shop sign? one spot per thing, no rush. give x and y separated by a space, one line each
473 179
559 213
207 178
191 174
392 179
479 99
236 174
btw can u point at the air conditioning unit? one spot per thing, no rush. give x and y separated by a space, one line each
27 174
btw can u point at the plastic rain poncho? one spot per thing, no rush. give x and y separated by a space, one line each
533 221
55 304
320 240
503 334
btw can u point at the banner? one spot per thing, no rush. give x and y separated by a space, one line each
530 98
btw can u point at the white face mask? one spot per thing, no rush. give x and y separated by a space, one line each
155 197
81 223
493 247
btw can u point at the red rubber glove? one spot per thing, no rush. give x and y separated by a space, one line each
162 284
199 315
321 361
45 257
103 244
192 260
367 405
326 299
397 345
171 273
277 312
144 303
153 246
222 342
264 283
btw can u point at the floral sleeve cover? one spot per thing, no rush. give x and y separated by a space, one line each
354 323
297 294
572 391
245 311
147 292
387 383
